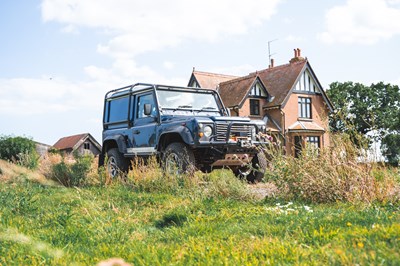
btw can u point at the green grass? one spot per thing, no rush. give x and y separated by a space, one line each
48 225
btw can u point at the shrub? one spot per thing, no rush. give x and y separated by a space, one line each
73 173
335 174
20 150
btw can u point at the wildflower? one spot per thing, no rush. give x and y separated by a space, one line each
307 208
349 224
360 244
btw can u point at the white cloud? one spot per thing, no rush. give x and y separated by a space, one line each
169 65
292 38
241 70
29 97
362 22
139 26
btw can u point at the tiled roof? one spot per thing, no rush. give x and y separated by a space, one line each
278 81
305 125
210 80
70 141
234 91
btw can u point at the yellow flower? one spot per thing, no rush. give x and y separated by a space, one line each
348 224
360 244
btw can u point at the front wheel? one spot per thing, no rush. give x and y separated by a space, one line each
178 159
116 163
254 171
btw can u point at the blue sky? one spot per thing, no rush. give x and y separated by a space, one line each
59 57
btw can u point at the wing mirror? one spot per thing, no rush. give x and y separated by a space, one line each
147 109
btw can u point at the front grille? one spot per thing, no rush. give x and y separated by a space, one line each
236 131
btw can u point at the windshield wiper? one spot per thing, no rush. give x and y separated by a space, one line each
183 107
208 108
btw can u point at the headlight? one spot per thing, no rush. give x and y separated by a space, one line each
207 131
253 132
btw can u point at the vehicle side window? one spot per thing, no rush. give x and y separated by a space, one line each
118 110
142 100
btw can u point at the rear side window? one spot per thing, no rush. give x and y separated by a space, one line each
118 110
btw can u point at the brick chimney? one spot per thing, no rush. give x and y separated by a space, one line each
272 63
297 56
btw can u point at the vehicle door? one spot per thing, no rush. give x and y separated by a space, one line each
144 126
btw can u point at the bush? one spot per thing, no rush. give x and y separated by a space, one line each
335 174
19 150
72 174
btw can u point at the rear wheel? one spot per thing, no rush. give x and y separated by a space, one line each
117 163
178 159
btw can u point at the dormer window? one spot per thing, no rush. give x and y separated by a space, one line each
256 90
306 83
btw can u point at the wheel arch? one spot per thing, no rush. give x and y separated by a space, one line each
179 135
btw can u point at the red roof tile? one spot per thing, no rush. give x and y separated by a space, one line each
69 142
210 80
305 125
233 92
278 81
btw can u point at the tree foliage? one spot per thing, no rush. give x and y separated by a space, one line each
21 150
373 111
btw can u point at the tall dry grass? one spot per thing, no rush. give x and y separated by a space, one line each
332 174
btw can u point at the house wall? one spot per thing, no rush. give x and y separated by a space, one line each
93 149
245 109
319 115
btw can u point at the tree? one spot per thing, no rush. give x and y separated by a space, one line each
373 111
391 148
20 150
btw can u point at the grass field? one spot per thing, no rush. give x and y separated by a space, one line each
47 224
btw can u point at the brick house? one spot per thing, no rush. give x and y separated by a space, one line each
81 143
289 98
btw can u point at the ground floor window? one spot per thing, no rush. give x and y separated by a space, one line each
298 146
313 141
299 141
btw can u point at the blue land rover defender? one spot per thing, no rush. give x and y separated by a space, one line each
186 128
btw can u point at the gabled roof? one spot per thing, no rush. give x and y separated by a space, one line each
235 91
73 142
209 80
280 80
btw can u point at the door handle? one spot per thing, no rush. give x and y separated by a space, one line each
136 131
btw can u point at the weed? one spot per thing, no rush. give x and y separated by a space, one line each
72 174
335 174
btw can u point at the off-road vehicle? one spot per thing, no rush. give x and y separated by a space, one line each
186 128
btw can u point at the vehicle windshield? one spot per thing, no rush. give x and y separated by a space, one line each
187 100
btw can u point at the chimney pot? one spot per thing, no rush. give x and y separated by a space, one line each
298 52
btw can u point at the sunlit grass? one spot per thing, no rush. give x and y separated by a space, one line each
64 226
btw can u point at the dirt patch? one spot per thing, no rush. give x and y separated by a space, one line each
11 172
263 190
